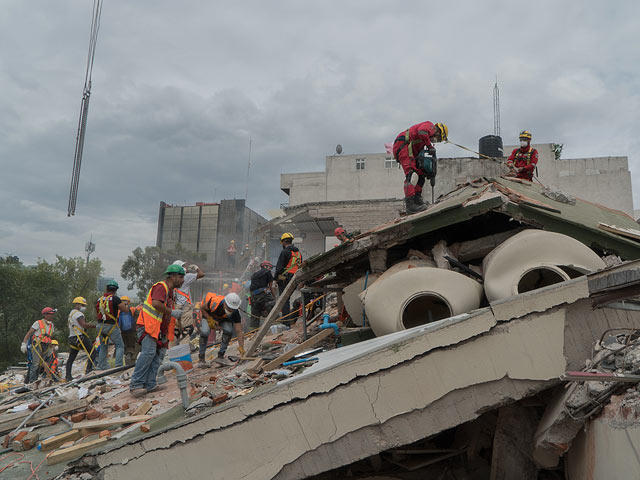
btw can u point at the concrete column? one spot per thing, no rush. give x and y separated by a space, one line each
513 444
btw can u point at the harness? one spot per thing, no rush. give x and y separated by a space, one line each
294 262
524 156
104 308
185 295
404 138
45 332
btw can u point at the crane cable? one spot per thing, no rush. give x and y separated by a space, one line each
84 108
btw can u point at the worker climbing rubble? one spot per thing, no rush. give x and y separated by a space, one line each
262 293
223 311
40 337
78 337
342 235
409 150
108 308
155 330
523 160
184 323
289 262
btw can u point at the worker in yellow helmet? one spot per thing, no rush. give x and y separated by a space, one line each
78 337
289 261
523 160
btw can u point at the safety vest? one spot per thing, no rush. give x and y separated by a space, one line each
212 301
294 263
523 156
105 304
185 295
151 318
45 331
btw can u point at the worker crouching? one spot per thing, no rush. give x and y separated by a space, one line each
223 311
155 329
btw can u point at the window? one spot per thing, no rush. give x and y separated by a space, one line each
360 163
389 162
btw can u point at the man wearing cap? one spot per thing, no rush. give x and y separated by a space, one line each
183 299
40 335
262 293
108 308
223 311
155 329
78 338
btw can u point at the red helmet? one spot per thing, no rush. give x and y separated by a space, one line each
48 310
266 264
338 231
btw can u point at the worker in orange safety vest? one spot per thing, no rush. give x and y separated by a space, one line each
40 335
289 260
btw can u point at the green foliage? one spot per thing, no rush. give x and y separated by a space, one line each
145 267
27 290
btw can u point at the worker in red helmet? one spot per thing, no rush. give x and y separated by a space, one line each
40 336
522 161
263 293
342 235
408 147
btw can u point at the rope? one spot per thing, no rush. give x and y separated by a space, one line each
84 108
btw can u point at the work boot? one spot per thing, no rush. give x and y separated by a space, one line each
202 363
412 207
418 199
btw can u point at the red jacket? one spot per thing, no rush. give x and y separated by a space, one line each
419 137
525 158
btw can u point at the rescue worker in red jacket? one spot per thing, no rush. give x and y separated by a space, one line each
155 330
289 262
523 160
407 149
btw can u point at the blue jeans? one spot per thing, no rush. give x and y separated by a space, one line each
148 363
227 333
116 338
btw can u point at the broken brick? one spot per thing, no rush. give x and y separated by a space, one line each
145 428
125 406
25 442
220 398
104 434
213 379
92 414
228 387
6 440
33 406
77 417
53 420
115 407
155 402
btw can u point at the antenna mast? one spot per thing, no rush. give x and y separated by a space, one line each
496 109
246 191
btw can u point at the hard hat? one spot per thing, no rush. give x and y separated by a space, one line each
48 310
179 262
113 284
266 264
226 285
444 131
197 305
525 134
125 298
233 241
54 342
173 269
246 244
80 300
232 300
286 235
338 231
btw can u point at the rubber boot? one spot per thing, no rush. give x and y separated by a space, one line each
412 206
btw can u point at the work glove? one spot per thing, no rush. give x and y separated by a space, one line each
431 151
193 267
241 350
281 277
23 347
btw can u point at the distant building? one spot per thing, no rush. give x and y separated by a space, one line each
208 228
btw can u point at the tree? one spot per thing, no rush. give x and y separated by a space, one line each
145 267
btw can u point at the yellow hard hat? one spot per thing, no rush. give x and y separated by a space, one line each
226 285
197 305
54 342
233 241
124 297
444 131
525 134
286 235
80 300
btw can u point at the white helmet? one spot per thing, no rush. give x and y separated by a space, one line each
232 300
180 262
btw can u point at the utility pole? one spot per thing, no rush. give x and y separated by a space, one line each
246 192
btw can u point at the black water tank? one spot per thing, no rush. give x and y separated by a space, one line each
491 146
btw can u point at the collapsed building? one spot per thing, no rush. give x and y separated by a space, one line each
501 336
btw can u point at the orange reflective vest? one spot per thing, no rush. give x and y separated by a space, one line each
45 331
211 302
294 263
151 318
185 295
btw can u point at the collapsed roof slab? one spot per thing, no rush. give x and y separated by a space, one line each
362 399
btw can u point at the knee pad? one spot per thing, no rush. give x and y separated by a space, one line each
412 178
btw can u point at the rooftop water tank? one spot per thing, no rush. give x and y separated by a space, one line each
491 146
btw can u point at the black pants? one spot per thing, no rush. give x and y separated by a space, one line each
286 308
261 305
78 343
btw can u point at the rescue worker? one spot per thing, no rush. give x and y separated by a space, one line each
53 366
108 308
183 301
408 150
223 311
231 254
342 235
523 160
289 261
262 293
155 330
78 338
40 336
225 288
127 324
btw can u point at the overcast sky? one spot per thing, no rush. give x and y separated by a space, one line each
179 88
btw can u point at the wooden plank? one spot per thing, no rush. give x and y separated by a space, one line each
109 422
273 314
255 366
55 442
11 421
143 409
298 349
66 454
